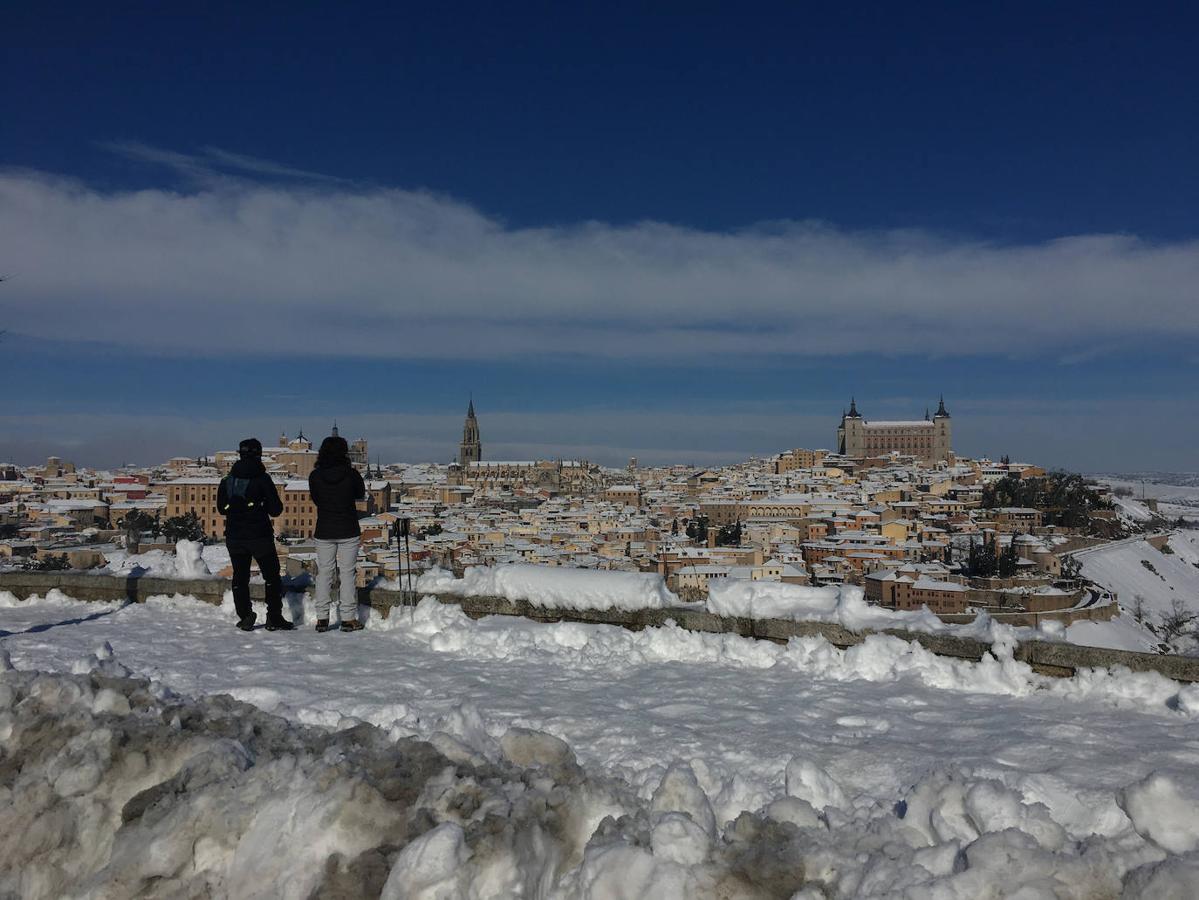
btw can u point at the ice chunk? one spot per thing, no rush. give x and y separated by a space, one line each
676 837
807 781
680 792
429 867
525 747
1160 813
796 811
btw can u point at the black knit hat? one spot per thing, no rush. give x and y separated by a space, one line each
249 448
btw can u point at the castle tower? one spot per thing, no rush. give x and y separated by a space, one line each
942 433
851 438
471 448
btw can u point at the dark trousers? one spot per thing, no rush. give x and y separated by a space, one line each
263 552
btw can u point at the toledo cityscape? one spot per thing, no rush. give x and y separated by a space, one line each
678 451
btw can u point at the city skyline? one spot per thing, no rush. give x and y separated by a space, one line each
689 243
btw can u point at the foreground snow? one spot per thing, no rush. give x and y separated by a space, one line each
725 764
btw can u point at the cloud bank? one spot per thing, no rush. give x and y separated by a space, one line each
230 266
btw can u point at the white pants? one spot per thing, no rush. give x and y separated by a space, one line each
345 554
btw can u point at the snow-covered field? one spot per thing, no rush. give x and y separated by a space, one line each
1176 495
729 767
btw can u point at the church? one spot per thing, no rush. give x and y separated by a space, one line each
928 439
552 476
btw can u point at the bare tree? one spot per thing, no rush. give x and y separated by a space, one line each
1138 609
1177 628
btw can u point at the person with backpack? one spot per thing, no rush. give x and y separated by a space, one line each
248 499
335 486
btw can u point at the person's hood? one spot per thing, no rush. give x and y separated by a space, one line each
247 468
334 473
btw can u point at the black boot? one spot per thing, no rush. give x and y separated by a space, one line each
278 623
246 622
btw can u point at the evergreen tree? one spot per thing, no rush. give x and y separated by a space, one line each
1008 559
186 527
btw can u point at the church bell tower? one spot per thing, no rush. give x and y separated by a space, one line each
471 448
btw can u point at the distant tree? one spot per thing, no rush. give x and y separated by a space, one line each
729 535
186 527
50 563
674 527
9 530
982 561
1177 628
1064 498
1007 563
1138 609
138 521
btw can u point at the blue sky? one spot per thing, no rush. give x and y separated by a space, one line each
686 233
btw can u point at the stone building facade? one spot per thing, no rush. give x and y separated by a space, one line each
929 439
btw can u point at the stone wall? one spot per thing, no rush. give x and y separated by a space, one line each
1046 657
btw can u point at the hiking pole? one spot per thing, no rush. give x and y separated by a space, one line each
406 530
408 556
399 562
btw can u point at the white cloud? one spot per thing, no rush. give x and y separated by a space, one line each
231 266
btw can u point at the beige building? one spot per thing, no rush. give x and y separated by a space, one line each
197 495
929 440
624 494
798 459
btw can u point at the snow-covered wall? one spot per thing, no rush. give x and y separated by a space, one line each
844 605
555 587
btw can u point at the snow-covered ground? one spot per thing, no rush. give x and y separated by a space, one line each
877 771
1176 495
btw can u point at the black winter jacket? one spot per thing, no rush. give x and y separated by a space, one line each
248 516
334 489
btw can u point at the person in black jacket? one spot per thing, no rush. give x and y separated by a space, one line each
248 500
335 485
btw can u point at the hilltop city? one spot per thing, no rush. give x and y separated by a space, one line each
892 508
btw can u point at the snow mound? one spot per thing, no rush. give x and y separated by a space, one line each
843 604
189 560
554 587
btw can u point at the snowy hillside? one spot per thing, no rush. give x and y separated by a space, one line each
1148 584
668 764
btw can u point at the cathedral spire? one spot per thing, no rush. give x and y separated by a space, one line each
853 409
335 432
471 448
941 411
